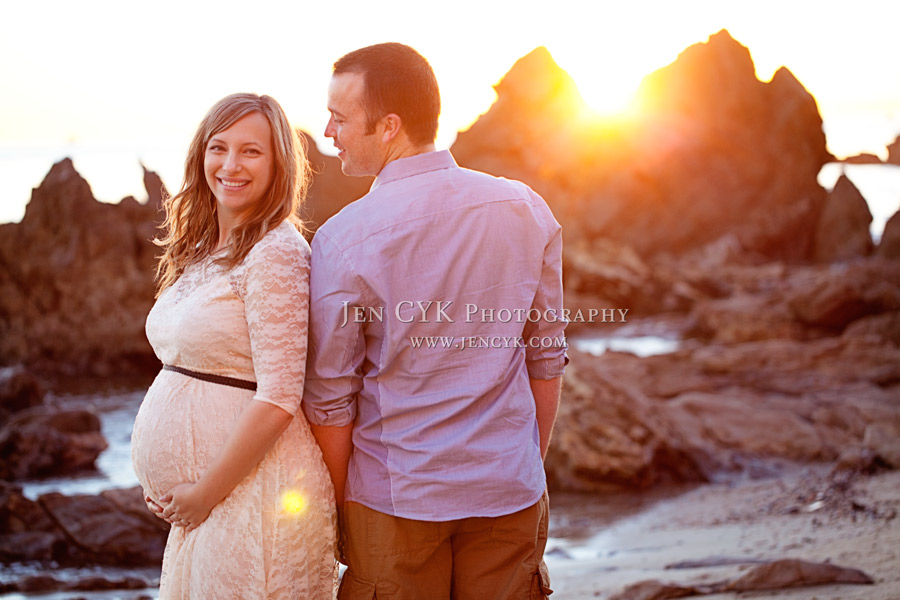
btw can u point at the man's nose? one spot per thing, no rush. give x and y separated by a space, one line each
329 128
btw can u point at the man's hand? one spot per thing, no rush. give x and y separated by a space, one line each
186 506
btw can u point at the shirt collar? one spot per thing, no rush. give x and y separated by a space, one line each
414 165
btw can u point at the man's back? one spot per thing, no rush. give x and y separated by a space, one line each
435 298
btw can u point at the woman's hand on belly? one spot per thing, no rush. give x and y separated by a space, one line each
187 506
155 508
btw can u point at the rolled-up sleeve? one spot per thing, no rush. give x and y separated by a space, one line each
336 342
545 354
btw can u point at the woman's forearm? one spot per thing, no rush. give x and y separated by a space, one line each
256 430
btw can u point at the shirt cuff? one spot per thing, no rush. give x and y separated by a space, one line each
547 368
331 417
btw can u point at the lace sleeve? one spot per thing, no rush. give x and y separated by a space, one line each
276 304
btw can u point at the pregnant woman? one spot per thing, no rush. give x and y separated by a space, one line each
217 445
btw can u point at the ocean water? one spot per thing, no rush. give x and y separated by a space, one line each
114 172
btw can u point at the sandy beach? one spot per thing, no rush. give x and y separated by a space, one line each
847 519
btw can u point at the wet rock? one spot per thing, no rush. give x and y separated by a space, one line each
655 590
103 532
43 441
38 584
788 573
113 528
843 228
131 502
26 532
19 389
775 575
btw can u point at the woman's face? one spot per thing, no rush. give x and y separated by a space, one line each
239 164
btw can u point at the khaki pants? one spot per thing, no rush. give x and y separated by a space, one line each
479 558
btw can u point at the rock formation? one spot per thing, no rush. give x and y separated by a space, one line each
77 275
77 279
864 158
713 151
889 246
894 152
843 228
112 528
331 190
42 441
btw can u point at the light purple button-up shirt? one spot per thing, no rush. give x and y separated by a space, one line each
434 298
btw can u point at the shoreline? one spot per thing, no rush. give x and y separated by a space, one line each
729 527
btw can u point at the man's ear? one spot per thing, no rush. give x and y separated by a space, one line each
391 125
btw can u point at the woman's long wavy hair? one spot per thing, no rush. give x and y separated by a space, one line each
191 225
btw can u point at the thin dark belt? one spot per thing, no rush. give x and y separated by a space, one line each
220 379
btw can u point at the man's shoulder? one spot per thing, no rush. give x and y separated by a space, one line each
508 187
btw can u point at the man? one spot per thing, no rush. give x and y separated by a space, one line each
436 351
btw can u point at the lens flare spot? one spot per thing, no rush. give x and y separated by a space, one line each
293 502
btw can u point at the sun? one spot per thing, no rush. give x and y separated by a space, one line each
609 91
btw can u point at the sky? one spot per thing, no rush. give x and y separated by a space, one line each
143 74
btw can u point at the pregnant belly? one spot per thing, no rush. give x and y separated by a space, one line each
180 428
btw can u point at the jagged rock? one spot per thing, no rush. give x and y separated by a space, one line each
718 407
19 390
889 246
837 296
156 189
863 158
894 152
78 279
843 228
40 441
330 190
103 533
76 275
713 151
607 433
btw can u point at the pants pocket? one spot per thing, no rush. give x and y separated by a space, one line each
353 588
540 583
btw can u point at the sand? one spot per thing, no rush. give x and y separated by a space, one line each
598 546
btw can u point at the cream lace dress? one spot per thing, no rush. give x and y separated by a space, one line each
273 536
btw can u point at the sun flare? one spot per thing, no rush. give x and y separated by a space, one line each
293 502
605 97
